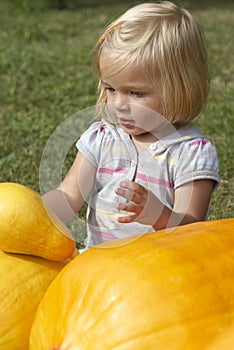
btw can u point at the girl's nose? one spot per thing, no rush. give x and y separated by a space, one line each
121 102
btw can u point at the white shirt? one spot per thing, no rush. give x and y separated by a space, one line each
182 157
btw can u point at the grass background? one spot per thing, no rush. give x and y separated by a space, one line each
46 76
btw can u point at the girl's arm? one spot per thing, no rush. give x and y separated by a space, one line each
69 197
191 204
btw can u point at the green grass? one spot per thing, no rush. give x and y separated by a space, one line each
46 76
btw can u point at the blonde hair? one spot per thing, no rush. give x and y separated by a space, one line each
163 41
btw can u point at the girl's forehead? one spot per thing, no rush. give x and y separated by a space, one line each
112 65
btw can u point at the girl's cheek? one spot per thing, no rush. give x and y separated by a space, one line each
109 97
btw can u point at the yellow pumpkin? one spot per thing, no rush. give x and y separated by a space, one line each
154 291
23 281
27 227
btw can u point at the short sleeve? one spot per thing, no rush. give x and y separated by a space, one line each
197 160
90 141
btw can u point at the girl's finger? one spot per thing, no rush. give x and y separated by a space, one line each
132 192
130 195
133 186
127 219
131 208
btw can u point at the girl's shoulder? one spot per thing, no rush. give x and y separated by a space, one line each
100 129
89 142
184 138
195 143
94 139
195 157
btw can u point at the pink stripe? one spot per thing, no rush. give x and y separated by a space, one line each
121 170
105 170
111 171
203 142
154 180
140 176
103 234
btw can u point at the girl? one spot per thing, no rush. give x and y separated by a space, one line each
145 166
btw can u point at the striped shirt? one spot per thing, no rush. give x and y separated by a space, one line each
184 156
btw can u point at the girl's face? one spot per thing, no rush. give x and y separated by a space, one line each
132 101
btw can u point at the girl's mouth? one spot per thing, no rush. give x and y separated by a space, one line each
126 122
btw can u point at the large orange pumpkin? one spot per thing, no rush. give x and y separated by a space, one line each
28 227
225 341
23 281
156 291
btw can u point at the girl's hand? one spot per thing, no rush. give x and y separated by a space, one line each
144 207
191 204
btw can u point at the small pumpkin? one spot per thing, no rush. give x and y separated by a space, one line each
23 281
154 291
28 227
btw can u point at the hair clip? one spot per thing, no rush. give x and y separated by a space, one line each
103 37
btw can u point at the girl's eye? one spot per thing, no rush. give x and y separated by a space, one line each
109 89
137 93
